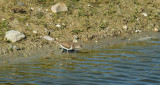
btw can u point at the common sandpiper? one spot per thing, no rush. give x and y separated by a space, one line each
68 45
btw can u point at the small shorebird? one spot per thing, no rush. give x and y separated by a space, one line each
68 46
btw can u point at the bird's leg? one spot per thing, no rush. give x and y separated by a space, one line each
62 50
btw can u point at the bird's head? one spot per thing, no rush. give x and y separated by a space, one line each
77 46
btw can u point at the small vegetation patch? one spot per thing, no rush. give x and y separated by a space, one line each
39 15
3 28
76 31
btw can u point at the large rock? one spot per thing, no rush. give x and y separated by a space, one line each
48 38
14 35
59 7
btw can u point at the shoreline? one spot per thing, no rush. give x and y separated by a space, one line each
52 49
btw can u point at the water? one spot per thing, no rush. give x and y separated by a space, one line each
136 63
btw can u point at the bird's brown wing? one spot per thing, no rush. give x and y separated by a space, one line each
65 44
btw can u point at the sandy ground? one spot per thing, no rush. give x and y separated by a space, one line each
97 23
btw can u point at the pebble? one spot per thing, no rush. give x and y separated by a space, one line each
32 8
13 48
48 38
27 24
125 27
20 3
59 7
144 14
35 32
156 30
138 31
137 19
58 25
16 48
74 40
46 10
89 5
3 19
75 37
14 35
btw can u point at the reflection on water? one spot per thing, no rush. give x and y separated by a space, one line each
126 63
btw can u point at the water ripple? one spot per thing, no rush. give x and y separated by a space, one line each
135 63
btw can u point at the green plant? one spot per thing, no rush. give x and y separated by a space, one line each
103 25
136 2
3 9
76 31
41 1
112 11
45 3
3 27
39 15
75 0
133 17
82 12
23 19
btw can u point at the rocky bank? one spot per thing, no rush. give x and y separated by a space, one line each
89 20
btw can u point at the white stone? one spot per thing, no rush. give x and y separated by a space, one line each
32 8
156 29
63 24
14 35
137 19
3 19
58 25
48 38
75 36
125 27
27 24
59 7
35 32
74 40
46 10
20 3
89 5
144 14
138 31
